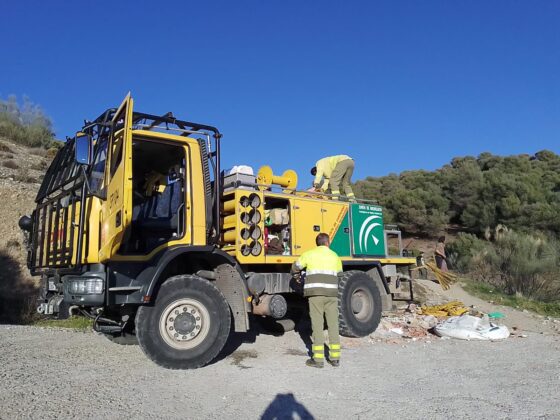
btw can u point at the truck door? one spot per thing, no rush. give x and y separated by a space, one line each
336 225
307 223
116 210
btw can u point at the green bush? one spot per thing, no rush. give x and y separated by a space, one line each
526 264
25 124
516 263
473 193
466 250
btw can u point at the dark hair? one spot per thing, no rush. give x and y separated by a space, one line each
322 239
441 239
314 171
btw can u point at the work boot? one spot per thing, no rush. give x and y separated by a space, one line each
334 363
313 363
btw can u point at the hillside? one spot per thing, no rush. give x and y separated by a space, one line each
473 194
21 170
500 214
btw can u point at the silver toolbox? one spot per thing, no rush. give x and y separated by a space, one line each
239 181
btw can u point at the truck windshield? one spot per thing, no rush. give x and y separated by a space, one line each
96 175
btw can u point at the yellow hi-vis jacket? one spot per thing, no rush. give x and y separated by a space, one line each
325 168
321 266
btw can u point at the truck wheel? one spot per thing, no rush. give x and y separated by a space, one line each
359 304
187 326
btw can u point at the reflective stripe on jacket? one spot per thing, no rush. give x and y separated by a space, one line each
322 266
325 168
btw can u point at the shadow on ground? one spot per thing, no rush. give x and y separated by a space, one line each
285 406
258 327
18 294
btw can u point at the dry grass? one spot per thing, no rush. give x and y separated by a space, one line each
80 323
10 164
38 151
5 148
23 176
51 153
40 166
492 293
13 243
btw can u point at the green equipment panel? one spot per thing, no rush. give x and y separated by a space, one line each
341 241
368 238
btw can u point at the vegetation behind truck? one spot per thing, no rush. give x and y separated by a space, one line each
136 227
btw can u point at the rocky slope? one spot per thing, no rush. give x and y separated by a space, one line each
21 171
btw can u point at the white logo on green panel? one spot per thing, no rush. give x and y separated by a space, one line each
365 230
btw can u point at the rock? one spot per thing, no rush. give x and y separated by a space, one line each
428 321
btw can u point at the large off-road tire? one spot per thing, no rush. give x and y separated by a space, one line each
187 326
359 304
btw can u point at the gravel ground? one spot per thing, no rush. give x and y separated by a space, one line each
52 373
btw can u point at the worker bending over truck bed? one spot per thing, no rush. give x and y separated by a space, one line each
337 173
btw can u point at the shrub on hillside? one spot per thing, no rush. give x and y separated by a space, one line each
464 251
5 148
22 175
515 262
40 166
525 264
473 193
10 164
53 150
25 124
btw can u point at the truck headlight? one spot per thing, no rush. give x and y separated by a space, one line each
86 286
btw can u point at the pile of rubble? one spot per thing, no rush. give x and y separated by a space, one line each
419 322
401 325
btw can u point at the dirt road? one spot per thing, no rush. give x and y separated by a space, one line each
51 373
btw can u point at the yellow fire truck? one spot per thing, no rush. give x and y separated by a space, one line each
137 227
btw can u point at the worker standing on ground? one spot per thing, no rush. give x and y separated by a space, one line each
441 257
337 171
321 266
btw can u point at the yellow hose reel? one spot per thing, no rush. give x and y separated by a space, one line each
266 178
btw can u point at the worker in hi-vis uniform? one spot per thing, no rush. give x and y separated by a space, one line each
337 171
321 266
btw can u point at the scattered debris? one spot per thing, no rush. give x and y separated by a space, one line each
449 320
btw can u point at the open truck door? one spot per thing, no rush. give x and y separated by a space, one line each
116 211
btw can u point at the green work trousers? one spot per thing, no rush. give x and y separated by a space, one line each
321 308
341 178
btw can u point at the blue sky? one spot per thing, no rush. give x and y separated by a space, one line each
395 84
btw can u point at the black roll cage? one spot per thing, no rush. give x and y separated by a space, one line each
102 126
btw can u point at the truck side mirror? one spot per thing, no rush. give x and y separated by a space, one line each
83 148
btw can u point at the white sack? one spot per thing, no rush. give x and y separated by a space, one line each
467 327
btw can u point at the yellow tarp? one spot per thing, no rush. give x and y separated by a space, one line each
454 308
